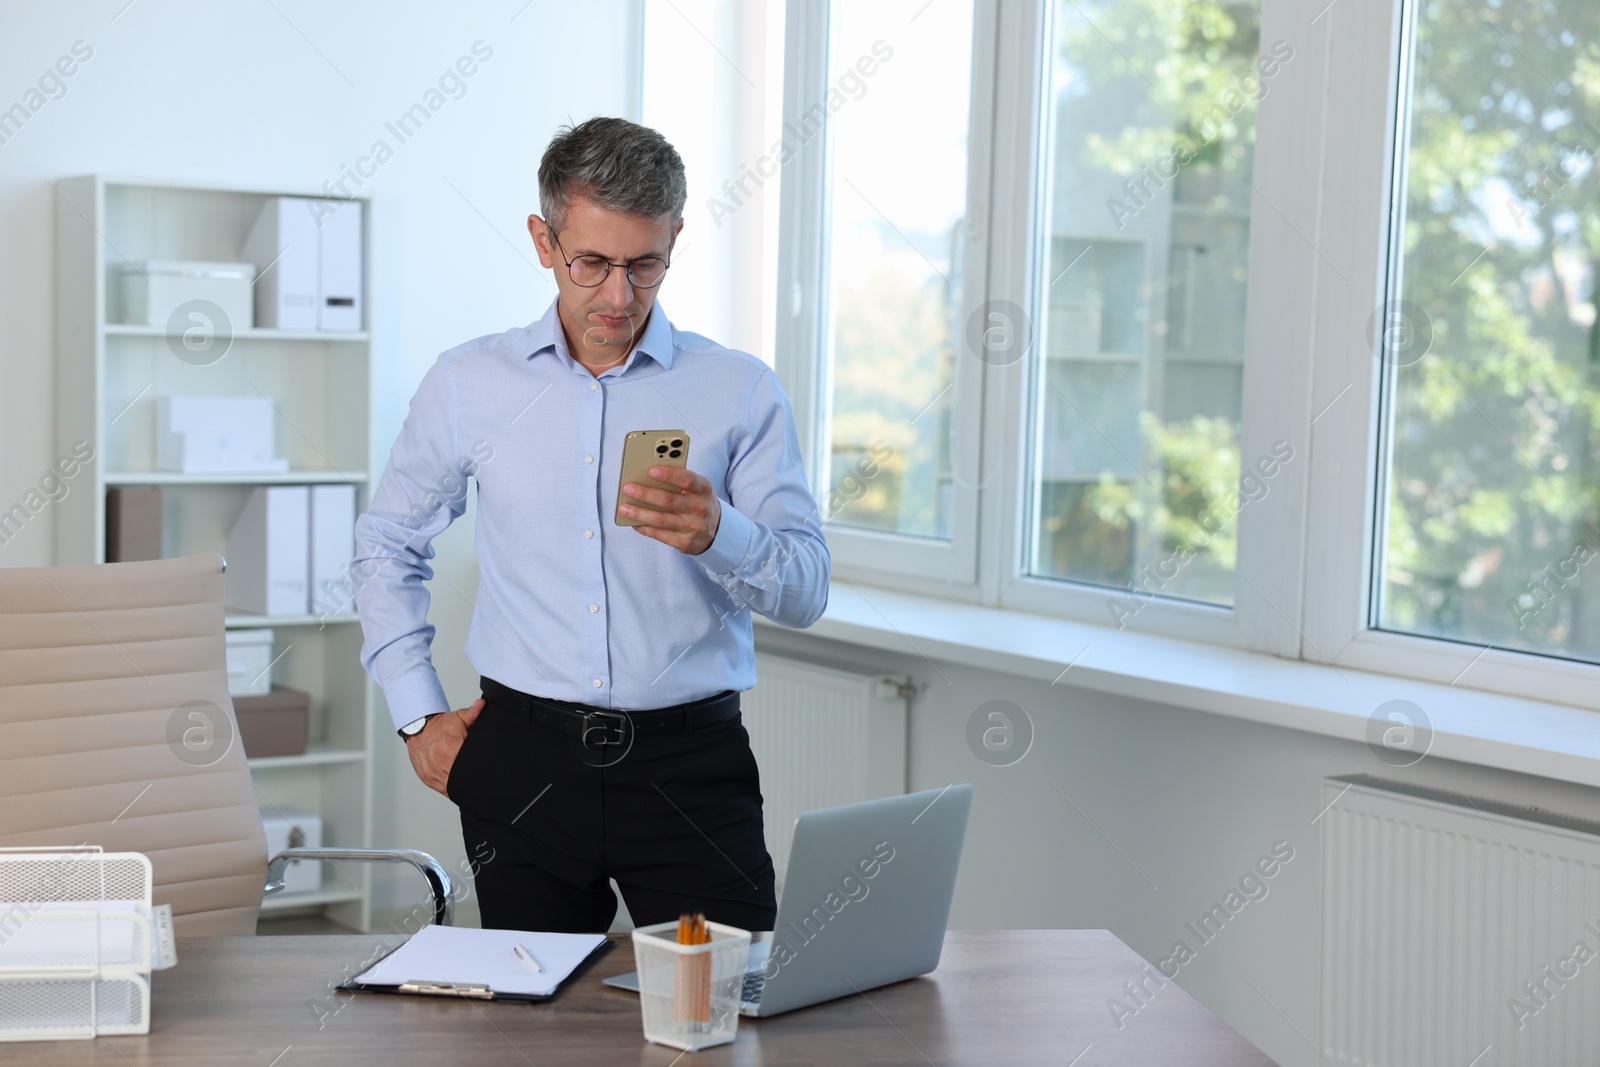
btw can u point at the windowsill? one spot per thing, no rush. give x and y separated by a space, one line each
1489 729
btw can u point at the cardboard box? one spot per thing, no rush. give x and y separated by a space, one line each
133 523
275 724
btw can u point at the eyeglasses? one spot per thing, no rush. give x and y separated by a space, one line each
590 271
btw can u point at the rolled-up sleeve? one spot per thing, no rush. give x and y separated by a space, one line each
769 552
422 491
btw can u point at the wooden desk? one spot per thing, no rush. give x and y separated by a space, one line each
998 998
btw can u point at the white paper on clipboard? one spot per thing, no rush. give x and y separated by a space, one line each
465 956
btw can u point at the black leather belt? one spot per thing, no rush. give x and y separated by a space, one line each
607 726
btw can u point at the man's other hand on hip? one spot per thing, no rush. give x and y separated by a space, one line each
433 749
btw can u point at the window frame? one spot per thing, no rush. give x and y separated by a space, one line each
1319 253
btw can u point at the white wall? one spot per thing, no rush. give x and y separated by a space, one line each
713 77
242 94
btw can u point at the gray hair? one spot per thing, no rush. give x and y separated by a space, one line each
618 164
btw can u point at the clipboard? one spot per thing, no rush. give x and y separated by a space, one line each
447 984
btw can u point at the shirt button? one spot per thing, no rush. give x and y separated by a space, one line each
593 608
588 533
592 387
588 459
597 683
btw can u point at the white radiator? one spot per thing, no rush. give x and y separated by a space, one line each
822 737
1456 931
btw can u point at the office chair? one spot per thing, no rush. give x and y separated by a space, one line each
103 667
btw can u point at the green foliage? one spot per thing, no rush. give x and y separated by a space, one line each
1189 63
893 359
1493 455
1199 462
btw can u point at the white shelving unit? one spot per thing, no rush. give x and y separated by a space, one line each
109 375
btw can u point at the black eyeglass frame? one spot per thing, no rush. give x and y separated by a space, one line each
628 267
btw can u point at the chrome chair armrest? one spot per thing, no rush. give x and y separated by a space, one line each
444 905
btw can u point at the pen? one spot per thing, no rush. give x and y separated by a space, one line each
526 957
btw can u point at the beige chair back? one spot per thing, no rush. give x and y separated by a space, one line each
116 729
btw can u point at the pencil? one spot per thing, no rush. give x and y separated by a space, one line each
691 1000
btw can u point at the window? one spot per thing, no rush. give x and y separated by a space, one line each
1016 269
880 273
1490 347
899 79
1145 220
1077 309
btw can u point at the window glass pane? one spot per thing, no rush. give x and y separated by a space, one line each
1489 340
1150 107
899 76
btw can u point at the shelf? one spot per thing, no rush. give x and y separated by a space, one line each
317 897
241 622
129 329
109 379
243 478
315 756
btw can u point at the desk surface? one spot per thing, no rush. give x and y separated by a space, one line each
999 997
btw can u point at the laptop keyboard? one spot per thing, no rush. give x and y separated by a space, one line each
754 981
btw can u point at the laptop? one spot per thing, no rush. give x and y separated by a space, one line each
865 903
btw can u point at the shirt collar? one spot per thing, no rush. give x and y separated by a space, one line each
545 335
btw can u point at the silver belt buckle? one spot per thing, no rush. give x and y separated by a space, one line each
601 728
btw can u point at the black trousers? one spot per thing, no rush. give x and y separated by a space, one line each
676 821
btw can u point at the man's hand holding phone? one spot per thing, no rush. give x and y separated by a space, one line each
686 519
433 749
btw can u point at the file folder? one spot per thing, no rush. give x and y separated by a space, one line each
339 266
267 553
333 545
284 244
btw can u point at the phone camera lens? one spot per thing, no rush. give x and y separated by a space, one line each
660 449
677 442
675 453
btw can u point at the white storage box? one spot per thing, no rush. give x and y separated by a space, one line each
288 828
249 657
153 290
216 434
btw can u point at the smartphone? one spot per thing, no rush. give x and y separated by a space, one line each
641 450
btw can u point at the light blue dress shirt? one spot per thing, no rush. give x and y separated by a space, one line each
569 605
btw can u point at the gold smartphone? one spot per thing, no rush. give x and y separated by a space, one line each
641 450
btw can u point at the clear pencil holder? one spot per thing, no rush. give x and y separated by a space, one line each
690 994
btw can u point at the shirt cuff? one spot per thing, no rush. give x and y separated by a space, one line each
415 694
731 545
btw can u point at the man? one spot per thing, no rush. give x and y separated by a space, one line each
607 742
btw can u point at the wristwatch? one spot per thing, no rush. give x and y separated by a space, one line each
414 727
